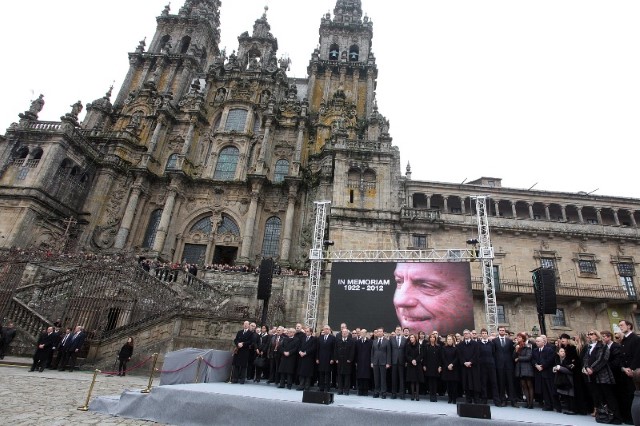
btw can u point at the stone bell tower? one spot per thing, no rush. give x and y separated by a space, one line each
350 145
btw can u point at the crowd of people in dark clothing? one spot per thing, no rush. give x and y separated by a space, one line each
58 349
593 373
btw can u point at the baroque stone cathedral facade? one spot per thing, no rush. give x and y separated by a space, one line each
212 157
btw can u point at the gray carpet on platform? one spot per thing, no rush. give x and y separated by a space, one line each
260 404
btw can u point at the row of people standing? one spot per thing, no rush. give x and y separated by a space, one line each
58 350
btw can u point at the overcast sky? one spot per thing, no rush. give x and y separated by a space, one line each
543 93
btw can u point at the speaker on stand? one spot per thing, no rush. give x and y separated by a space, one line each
265 277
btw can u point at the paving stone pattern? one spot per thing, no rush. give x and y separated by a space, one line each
53 398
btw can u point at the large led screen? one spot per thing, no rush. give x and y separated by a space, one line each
423 296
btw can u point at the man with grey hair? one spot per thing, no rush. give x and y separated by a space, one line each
72 348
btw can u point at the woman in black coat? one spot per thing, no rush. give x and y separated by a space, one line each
124 356
523 367
432 365
413 358
450 368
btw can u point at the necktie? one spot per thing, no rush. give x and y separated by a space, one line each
344 339
307 338
379 341
325 337
277 342
502 340
66 336
398 341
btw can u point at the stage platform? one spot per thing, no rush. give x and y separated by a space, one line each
261 404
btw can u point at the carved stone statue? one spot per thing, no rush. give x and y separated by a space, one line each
76 109
36 105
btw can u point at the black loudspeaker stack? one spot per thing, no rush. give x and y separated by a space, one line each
544 285
477 411
316 397
264 279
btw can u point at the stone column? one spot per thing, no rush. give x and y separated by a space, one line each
370 91
288 224
463 208
564 212
428 201
327 85
189 138
354 90
260 164
599 215
632 217
165 219
514 212
312 83
247 238
127 219
580 219
297 154
155 136
530 210
445 204
496 205
615 216
547 213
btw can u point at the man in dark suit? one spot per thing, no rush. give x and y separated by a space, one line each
73 347
629 360
487 364
380 362
43 350
503 353
242 342
468 354
398 344
8 334
306 359
274 355
543 359
60 358
324 358
363 363
261 350
289 350
343 356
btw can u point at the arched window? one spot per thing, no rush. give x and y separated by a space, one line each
163 41
271 237
369 179
282 169
171 162
203 225
353 178
22 153
236 120
36 154
228 226
334 52
354 53
184 44
152 227
227 162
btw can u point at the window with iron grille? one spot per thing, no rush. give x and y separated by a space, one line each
625 269
194 253
228 226
559 320
236 120
548 262
496 278
419 241
502 317
203 225
587 266
282 169
152 227
227 162
627 285
271 237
